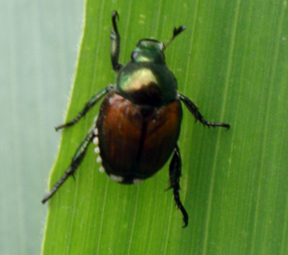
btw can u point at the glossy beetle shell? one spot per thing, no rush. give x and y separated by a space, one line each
136 142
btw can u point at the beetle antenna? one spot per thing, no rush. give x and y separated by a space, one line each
176 32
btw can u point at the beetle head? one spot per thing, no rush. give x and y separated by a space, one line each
149 50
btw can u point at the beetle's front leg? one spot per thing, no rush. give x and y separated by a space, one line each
115 43
198 116
86 108
76 161
175 174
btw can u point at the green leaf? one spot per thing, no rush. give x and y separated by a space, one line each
232 62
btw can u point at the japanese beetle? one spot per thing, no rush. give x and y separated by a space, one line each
139 121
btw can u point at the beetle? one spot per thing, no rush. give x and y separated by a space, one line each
138 126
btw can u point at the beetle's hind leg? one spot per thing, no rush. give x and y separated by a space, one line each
175 174
76 161
198 116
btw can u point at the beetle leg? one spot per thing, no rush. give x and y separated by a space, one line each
175 174
198 116
76 161
115 43
87 107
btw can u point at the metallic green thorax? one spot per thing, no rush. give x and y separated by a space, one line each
146 80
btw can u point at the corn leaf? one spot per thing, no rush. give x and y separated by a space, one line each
232 62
